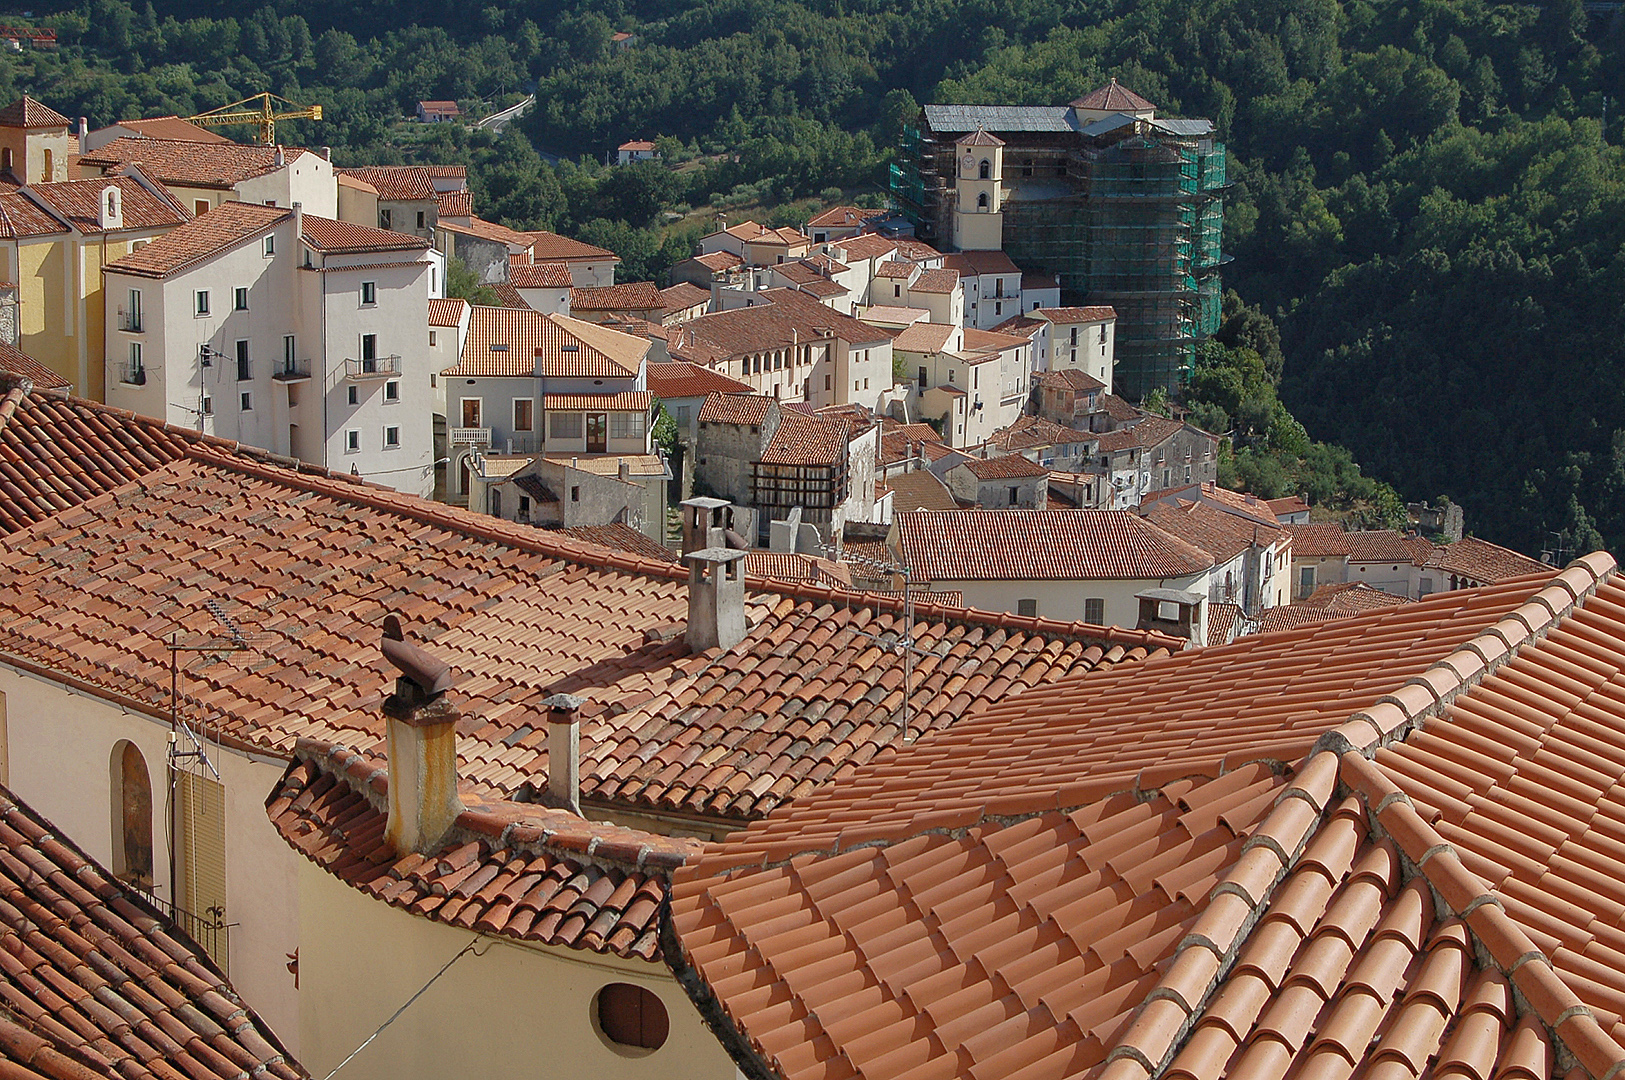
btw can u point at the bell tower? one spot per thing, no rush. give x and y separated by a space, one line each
979 191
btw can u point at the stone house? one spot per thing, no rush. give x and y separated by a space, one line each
1007 482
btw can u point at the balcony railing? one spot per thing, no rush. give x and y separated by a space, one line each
129 321
374 367
470 436
134 374
291 370
210 930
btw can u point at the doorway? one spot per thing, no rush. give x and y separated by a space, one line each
597 432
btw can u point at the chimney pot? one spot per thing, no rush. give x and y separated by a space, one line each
716 598
327 153
564 751
280 158
421 739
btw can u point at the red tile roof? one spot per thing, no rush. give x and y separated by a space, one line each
625 401
517 869
1043 545
25 112
455 204
521 341
1381 545
1007 467
632 296
979 137
845 215
807 440
784 566
1066 315
542 275
15 364
936 281
488 230
343 237
97 983
182 248
976 263
395 183
924 337
79 201
1292 504
446 312
681 379
523 612
618 537
684 295
20 216
172 128
1481 561
1318 540
1074 379
1220 534
1113 97
188 163
725 408
551 247
1367 863
1034 433
919 490
1328 602
866 246
719 261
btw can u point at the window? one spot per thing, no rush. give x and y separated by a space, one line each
352 441
206 407
432 339
826 380
922 377
420 219
392 438
625 425
986 170
202 302
369 348
383 219
133 311
270 244
201 812
1029 608
981 201
524 508
132 797
998 309
353 396
244 368
1074 335
564 425
137 371
1094 610
200 207
471 411
239 298
245 402
575 494
1306 581
494 502
523 418
1015 493
5 159
50 166
392 390
631 1016
998 286
369 292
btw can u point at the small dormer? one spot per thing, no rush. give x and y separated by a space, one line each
1111 99
110 209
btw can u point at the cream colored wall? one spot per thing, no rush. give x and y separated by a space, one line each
44 286
61 747
515 1011
1064 599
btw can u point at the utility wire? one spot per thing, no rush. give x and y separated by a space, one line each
396 1015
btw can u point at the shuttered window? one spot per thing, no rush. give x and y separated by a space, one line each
631 1016
200 804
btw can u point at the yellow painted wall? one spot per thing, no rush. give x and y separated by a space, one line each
42 289
516 1011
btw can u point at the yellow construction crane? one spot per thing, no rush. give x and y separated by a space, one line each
260 111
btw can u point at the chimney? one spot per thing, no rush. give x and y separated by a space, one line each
564 751
298 223
281 159
84 129
421 737
625 470
716 598
706 523
327 153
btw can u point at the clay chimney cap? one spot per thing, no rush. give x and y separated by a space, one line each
564 703
428 674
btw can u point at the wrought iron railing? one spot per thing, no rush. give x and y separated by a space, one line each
372 367
209 930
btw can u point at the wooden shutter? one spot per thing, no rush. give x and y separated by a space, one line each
201 809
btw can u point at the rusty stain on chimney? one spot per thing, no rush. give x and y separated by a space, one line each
421 739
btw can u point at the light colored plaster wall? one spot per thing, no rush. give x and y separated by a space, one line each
1064 599
61 750
515 1011
1396 578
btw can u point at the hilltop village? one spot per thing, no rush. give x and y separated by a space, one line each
719 677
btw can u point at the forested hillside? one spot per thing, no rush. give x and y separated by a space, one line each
1428 202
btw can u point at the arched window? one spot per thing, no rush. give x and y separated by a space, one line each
630 1018
987 169
112 203
132 815
981 201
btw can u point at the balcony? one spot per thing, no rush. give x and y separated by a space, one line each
469 436
130 321
134 374
373 367
292 371
210 930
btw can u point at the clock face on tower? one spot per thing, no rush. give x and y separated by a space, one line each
968 162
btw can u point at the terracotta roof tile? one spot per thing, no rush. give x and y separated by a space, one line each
14 363
221 229
919 490
1380 545
551 247
172 128
681 379
331 807
1065 315
632 296
807 440
1075 379
924 337
446 312
1043 545
395 183
977 263
1113 97
936 281
618 537
79 201
1318 540
866 246
684 295
1326 603
727 408
534 612
190 163
1220 534
20 216
342 237
94 971
522 341
1006 467
1026 895
625 401
719 261
25 112
845 215
455 204
488 230
1481 561
542 275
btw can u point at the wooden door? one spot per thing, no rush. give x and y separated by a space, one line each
597 433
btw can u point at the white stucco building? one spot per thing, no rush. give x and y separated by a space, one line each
301 335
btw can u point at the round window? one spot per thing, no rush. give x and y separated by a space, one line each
631 1018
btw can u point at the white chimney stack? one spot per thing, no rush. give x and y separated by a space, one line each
716 598
421 737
